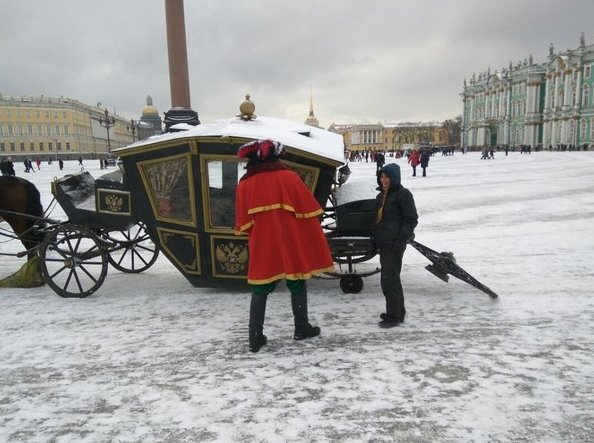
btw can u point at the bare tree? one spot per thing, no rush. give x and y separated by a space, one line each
452 129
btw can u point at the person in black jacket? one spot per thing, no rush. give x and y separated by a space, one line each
396 219
425 155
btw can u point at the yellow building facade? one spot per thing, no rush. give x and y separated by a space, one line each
391 137
56 126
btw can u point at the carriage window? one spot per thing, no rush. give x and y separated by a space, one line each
223 177
168 184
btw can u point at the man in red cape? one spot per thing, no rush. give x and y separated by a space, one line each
285 239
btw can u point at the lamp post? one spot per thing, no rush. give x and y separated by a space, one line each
133 128
107 122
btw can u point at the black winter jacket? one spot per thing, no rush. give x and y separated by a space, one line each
399 217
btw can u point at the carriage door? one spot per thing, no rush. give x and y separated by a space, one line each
228 252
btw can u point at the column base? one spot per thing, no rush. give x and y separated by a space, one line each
180 115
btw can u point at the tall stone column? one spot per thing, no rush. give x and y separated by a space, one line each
181 109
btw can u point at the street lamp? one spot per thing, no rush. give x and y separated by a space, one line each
107 122
133 128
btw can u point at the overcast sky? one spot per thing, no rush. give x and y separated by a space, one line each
366 60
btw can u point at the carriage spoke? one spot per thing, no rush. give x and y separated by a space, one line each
140 257
69 244
78 243
78 282
68 280
57 272
123 255
88 274
146 249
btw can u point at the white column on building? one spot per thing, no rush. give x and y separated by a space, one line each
567 100
547 103
578 88
556 91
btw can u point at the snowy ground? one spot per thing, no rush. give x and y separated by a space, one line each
149 358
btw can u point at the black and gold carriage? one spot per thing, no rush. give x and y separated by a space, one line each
175 193
183 189
100 230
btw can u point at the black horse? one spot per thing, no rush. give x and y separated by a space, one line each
19 196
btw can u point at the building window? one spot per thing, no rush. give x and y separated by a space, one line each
587 71
49 130
39 130
12 146
41 146
50 147
2 147
1 130
10 130
58 130
21 133
46 114
586 96
65 129
68 146
22 146
37 114
32 146
30 128
59 146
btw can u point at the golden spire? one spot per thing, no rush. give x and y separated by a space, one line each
311 119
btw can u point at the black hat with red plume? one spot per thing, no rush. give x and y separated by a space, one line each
262 150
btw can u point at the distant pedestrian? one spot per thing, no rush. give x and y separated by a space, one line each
414 160
80 161
61 164
38 161
4 166
10 167
425 161
380 160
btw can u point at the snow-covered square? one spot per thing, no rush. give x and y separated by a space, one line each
148 358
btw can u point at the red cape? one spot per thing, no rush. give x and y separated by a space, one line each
279 214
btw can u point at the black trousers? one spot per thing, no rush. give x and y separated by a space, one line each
391 264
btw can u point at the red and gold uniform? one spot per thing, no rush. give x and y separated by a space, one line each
280 216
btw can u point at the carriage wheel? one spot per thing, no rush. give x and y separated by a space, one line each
135 251
73 261
351 284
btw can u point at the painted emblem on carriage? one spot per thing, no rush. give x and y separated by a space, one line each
114 203
232 257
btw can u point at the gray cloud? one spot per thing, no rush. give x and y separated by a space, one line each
366 61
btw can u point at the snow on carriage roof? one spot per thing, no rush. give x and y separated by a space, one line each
296 135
